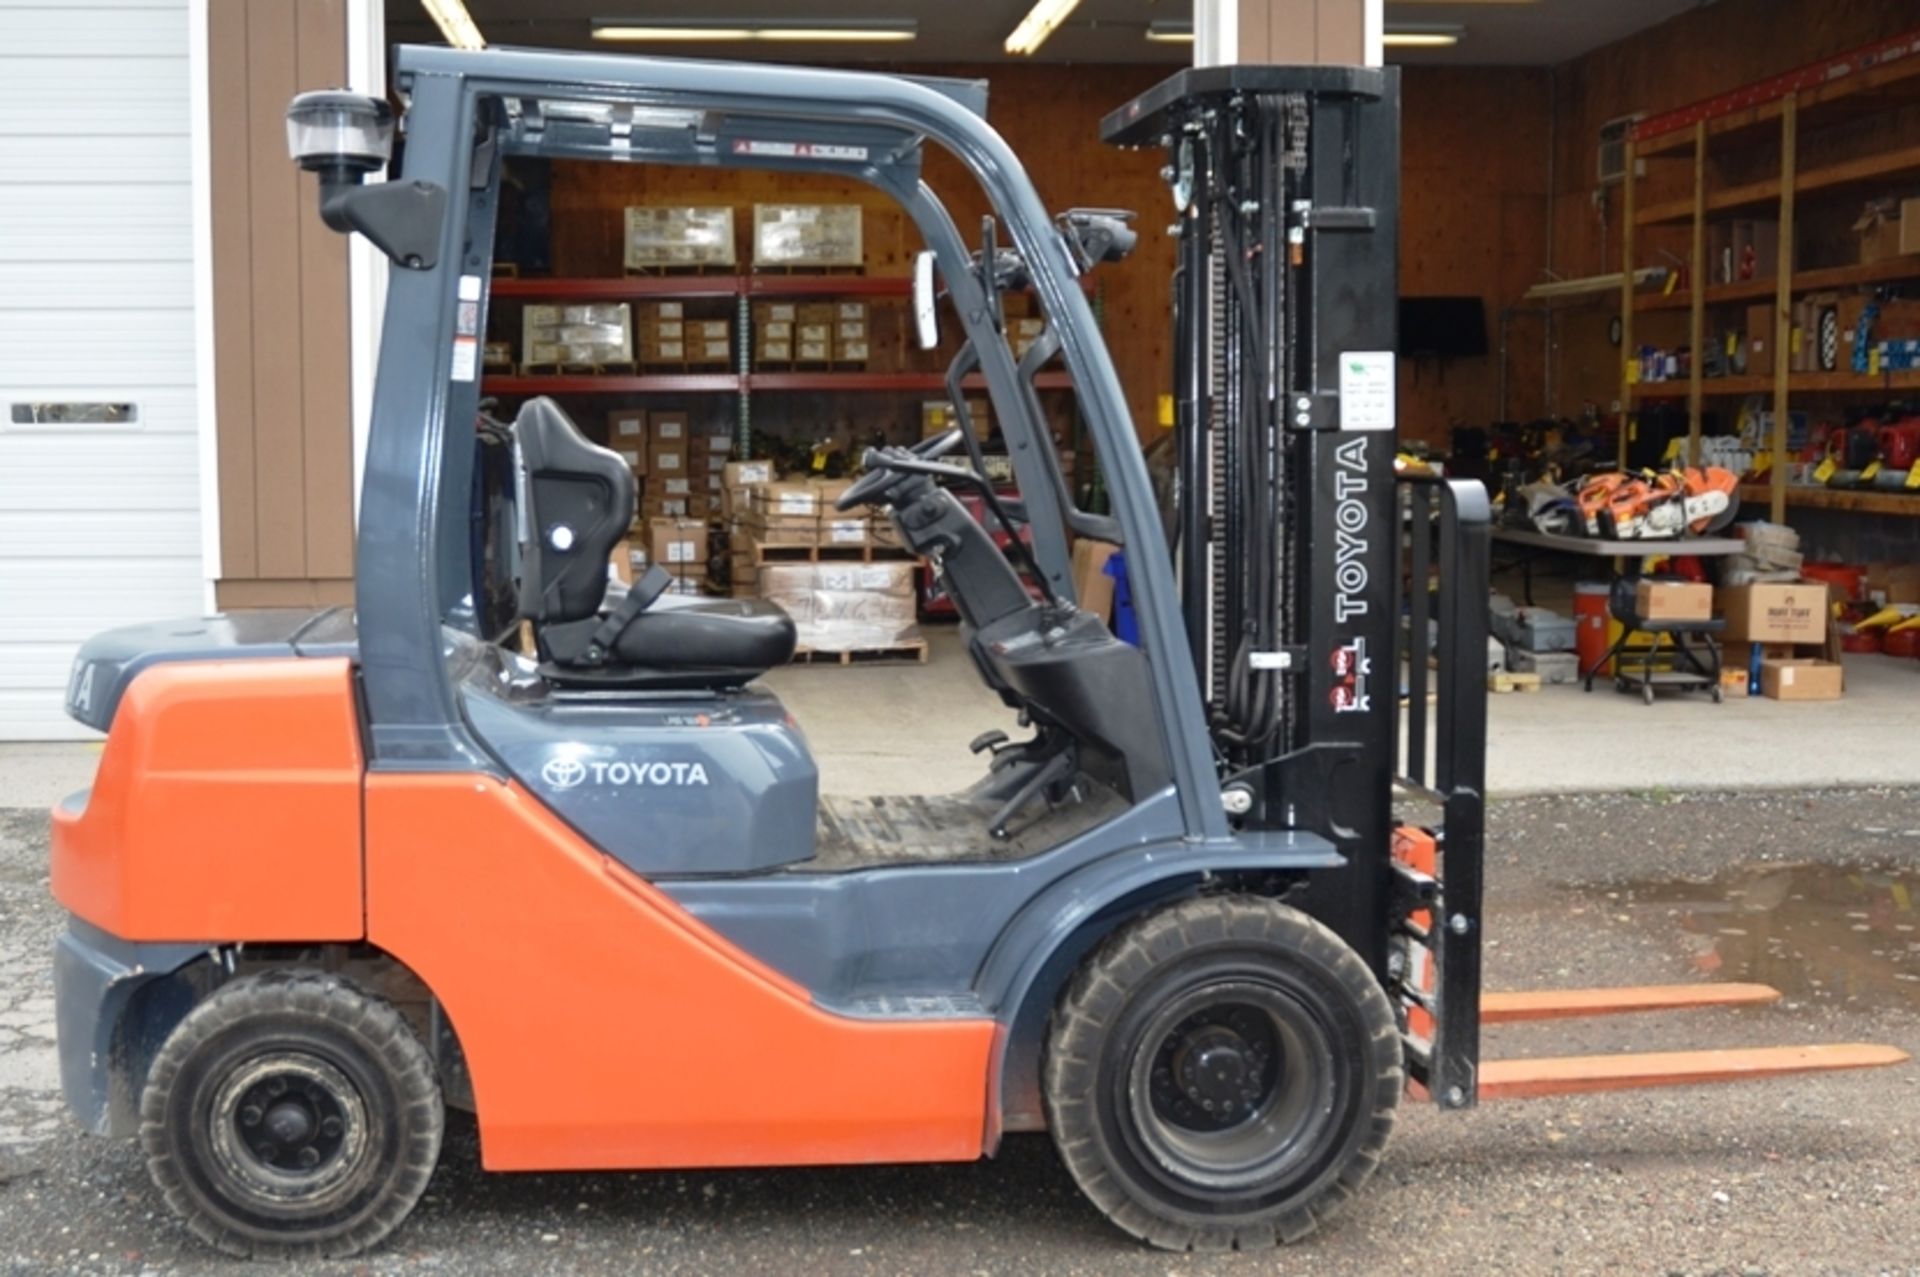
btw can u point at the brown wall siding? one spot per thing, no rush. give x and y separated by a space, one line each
280 314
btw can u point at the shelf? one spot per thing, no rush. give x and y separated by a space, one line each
1804 281
633 287
1851 500
1799 383
614 384
1831 92
759 382
1868 170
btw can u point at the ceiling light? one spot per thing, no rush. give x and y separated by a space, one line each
1164 32
1429 35
818 30
1040 22
455 23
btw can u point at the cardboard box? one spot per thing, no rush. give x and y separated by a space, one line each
743 474
677 544
796 498
626 425
775 312
844 530
848 311
850 352
1888 228
828 491
811 352
1761 613
1673 601
816 332
659 486
665 330
1091 584
668 426
1734 682
774 352
620 561
1801 680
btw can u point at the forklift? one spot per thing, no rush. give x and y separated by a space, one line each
1207 924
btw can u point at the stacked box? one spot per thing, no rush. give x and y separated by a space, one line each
807 235
627 435
709 343
663 334
680 547
773 325
813 333
497 356
667 491
738 479
784 512
851 334
936 418
663 237
841 529
600 333
840 607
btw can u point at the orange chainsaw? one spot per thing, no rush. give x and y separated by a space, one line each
1658 505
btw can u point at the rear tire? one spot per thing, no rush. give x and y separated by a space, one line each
1222 1074
292 1116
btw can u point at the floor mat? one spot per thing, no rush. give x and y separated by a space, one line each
858 832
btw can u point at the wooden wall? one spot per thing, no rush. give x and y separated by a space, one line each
1473 207
280 314
1699 54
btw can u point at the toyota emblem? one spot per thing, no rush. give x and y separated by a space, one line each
563 773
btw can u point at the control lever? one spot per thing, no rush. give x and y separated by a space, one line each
988 740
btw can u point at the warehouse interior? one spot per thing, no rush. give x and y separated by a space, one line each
1520 359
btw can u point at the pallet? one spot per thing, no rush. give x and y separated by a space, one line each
785 552
619 368
803 268
911 652
1506 681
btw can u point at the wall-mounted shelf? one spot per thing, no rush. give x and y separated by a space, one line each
1868 81
1806 281
1803 383
1867 171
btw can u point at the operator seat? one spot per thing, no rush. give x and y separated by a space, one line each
576 502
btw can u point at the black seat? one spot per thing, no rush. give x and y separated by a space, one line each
577 501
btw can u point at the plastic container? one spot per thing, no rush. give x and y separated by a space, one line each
1847 580
1590 624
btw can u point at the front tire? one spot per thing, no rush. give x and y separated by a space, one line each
1222 1074
292 1116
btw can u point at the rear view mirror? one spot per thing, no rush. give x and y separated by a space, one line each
926 316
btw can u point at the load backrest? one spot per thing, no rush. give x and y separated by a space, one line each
577 501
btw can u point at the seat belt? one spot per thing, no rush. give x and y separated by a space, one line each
652 584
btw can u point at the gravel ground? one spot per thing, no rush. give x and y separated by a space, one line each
1806 1175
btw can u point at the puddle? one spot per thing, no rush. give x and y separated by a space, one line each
1817 933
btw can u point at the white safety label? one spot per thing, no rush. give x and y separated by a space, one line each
1366 390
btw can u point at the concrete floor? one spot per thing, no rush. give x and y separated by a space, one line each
903 729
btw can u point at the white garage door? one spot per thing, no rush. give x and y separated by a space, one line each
99 519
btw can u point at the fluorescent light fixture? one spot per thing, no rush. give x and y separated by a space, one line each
1161 31
1427 35
455 23
1041 21
814 30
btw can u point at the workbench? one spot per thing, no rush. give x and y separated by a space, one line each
1534 544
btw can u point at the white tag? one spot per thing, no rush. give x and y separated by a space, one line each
679 551
1366 390
1270 660
843 532
630 425
796 503
469 288
466 358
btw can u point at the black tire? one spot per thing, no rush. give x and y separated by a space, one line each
1229 972
292 1116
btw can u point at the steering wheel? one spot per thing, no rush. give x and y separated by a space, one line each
879 474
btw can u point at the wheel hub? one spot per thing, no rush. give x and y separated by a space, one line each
288 1126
